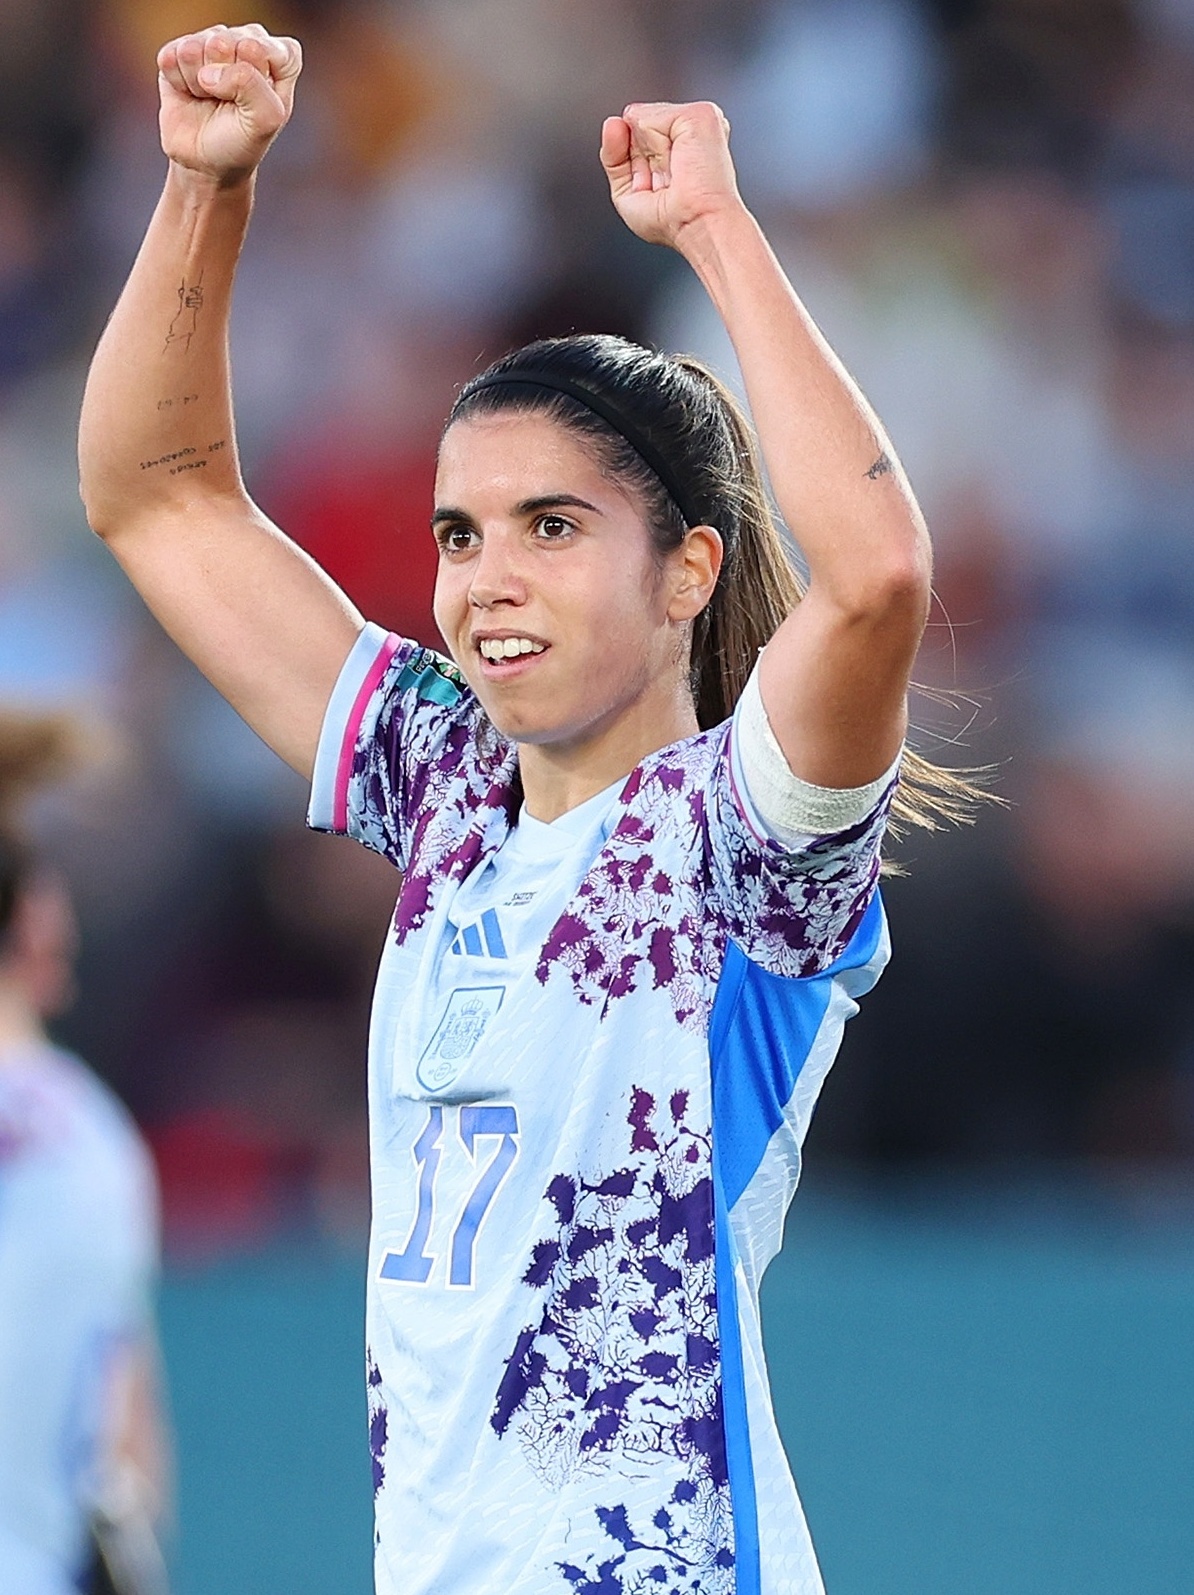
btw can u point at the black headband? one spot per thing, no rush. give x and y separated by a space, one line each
609 413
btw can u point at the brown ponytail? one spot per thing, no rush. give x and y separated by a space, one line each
758 586
651 406
755 595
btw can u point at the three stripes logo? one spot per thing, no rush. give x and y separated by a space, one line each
481 939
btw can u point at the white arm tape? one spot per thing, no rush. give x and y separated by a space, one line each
790 810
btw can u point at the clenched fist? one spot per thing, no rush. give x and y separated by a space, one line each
226 95
668 166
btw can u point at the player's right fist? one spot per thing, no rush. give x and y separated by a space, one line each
226 95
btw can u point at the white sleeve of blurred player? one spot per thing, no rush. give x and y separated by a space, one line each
78 1258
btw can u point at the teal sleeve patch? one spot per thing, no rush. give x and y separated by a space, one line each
433 678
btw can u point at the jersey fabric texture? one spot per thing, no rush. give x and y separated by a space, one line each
594 1054
78 1250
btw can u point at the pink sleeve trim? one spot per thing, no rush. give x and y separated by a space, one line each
352 727
744 807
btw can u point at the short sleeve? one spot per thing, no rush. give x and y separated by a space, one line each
791 910
777 802
398 714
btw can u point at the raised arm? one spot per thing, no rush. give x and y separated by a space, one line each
157 450
834 679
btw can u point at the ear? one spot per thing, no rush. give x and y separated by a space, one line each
697 562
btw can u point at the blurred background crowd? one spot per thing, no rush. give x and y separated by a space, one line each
989 207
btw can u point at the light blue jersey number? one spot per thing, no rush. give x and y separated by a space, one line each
414 1262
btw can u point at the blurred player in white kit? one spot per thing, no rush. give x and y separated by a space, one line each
83 1454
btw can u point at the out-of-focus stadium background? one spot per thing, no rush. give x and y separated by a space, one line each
989 205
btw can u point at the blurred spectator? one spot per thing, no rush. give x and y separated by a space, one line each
45 140
834 101
259 1120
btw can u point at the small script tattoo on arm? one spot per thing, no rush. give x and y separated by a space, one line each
186 318
188 459
881 467
180 402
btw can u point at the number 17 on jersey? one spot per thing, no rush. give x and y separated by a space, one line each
474 1125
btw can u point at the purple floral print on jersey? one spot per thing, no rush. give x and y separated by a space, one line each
622 1364
435 788
378 1421
632 922
666 1558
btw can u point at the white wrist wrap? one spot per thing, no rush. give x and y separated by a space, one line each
790 810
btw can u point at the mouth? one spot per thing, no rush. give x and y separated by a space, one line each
510 655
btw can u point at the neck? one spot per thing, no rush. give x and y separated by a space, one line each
18 1022
558 776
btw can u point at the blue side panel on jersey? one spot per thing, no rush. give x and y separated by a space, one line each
739 1464
760 1033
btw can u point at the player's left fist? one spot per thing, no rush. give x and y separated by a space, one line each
669 168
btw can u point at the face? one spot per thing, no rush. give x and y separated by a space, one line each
42 945
549 595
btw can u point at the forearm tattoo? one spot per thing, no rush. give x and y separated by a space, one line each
186 318
881 467
186 459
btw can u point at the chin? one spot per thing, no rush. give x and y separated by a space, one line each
530 722
543 717
531 728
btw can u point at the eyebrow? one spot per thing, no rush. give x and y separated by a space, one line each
526 506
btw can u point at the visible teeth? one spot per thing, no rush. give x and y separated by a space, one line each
495 648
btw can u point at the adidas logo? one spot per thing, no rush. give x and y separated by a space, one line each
482 938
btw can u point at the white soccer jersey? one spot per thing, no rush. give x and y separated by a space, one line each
592 1064
78 1245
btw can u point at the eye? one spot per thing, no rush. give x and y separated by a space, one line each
554 528
456 539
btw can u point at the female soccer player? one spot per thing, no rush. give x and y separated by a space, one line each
83 1440
639 867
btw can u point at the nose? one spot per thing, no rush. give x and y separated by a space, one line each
496 577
